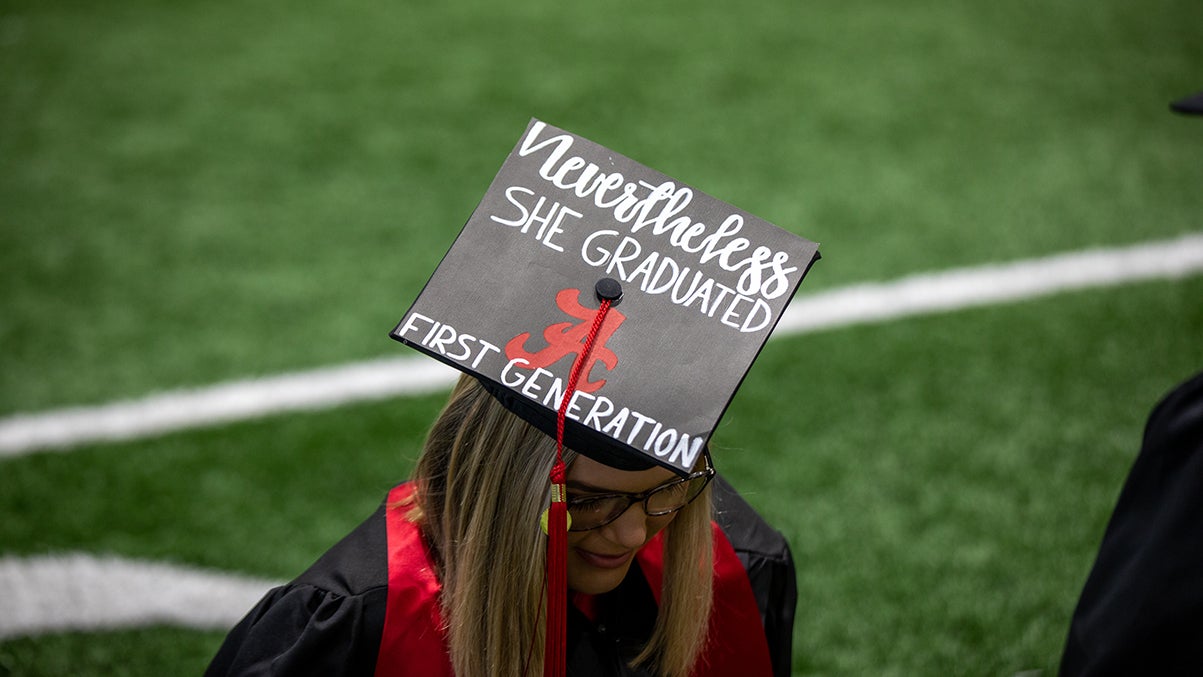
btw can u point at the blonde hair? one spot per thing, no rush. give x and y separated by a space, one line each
481 484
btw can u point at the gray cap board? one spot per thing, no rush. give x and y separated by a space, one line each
703 284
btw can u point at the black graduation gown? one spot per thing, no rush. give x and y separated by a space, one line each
329 620
1141 610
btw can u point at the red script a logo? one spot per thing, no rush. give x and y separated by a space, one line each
567 338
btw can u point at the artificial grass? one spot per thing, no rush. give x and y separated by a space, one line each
195 191
263 497
944 481
200 191
144 652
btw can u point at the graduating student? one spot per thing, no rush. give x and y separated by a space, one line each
565 515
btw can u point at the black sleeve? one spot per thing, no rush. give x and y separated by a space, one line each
327 622
302 630
1141 610
766 557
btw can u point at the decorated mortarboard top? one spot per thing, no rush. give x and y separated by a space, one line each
702 285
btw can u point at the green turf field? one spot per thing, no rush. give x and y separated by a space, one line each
193 192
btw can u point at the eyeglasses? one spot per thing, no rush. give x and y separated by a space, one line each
592 512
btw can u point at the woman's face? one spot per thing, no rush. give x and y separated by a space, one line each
598 559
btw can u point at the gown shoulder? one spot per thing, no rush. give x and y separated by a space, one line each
326 622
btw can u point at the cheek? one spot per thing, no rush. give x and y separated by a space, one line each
656 524
576 537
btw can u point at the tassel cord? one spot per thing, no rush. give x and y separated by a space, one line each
555 649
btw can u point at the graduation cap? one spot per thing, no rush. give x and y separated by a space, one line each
610 306
1190 105
694 286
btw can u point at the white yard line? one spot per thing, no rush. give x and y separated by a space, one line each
63 429
76 591
995 283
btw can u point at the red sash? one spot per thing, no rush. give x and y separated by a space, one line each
735 643
413 642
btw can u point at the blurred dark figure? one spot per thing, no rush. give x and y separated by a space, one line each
1191 105
1141 611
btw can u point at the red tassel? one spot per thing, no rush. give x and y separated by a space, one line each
554 656
555 649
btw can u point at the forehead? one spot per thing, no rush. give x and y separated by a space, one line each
586 471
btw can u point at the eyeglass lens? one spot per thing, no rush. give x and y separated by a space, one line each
590 513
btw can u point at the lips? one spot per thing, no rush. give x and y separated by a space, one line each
604 561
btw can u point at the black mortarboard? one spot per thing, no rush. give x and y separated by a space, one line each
702 285
1191 105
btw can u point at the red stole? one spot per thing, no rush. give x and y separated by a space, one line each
735 643
413 642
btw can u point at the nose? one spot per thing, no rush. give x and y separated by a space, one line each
630 529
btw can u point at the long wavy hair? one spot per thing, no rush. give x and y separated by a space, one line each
481 484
